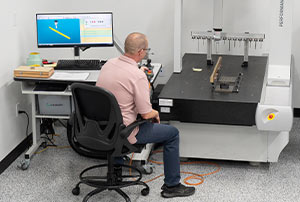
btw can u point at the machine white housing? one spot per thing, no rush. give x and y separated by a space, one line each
277 98
264 141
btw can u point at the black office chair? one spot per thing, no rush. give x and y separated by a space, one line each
96 130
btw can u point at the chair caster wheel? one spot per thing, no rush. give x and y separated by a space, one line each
145 191
24 164
147 169
76 191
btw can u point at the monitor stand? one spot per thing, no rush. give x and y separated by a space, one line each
77 51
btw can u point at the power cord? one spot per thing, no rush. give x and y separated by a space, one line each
193 176
48 134
52 145
24 112
49 139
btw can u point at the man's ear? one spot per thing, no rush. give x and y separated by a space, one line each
140 52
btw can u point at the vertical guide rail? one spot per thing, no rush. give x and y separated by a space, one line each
209 51
177 35
246 51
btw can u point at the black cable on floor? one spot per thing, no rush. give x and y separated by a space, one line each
24 112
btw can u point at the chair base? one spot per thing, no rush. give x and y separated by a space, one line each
110 182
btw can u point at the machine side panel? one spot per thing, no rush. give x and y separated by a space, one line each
202 111
222 142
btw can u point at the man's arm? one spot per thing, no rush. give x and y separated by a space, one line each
152 115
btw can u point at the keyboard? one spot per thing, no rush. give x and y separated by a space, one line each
79 64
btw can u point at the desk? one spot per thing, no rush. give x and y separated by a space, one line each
27 87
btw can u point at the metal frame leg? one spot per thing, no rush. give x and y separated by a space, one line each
36 140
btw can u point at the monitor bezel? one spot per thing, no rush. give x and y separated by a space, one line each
75 45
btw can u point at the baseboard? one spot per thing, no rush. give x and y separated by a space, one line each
296 112
14 154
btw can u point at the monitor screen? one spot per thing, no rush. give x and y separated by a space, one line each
74 29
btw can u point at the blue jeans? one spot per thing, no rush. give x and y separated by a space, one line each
169 137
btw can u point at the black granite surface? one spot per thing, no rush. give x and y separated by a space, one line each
196 86
194 100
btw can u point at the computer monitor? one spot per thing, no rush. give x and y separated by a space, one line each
78 30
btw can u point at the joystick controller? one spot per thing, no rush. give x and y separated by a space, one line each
148 65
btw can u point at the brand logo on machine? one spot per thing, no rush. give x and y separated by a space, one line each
281 7
54 105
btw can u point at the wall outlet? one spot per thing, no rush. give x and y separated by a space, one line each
17 109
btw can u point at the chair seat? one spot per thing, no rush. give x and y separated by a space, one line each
102 155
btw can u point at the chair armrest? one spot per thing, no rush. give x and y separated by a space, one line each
128 130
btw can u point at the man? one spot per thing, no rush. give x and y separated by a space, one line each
129 84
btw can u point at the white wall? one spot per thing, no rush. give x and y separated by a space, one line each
238 17
154 18
12 128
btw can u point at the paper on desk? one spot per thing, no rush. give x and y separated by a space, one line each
77 76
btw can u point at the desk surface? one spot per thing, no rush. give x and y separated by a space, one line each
92 77
28 84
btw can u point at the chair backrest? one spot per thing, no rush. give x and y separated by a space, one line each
99 118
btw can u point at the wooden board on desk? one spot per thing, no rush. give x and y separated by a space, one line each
35 72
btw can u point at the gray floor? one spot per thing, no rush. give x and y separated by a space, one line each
53 173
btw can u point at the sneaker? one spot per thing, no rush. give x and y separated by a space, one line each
177 191
164 187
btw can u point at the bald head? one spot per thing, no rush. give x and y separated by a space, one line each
135 42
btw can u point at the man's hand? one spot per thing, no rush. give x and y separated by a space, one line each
156 119
144 68
152 115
